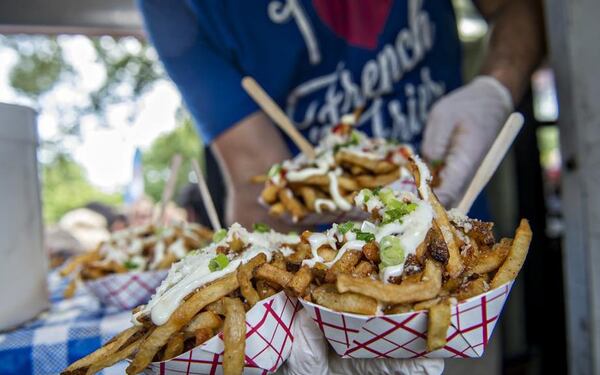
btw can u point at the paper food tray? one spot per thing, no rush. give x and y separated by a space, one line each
126 290
405 335
268 342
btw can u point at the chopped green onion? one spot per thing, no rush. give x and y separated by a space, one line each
219 235
390 251
386 196
376 190
218 263
391 215
274 170
292 233
261 228
346 227
354 140
367 194
364 236
130 265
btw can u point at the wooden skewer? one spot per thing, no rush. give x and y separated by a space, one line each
209 205
492 160
169 188
277 115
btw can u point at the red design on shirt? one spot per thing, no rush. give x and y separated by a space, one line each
359 22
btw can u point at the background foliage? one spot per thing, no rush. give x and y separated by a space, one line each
129 67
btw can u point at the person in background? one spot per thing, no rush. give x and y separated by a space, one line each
400 60
114 220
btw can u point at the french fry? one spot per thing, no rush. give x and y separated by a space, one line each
101 354
273 275
300 281
373 165
122 353
259 179
292 204
372 182
174 346
71 287
454 267
244 276
516 256
424 305
181 317
277 209
437 325
319 180
202 335
399 309
363 269
344 265
234 336
264 289
79 260
327 295
302 252
371 251
216 307
406 292
348 183
472 289
166 262
327 253
269 193
205 319
309 195
490 260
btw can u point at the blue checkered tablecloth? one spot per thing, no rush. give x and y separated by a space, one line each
69 330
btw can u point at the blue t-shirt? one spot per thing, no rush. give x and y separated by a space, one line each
319 59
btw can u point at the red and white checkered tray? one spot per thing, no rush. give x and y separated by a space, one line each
126 290
268 342
405 335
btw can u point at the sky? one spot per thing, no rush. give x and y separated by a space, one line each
105 152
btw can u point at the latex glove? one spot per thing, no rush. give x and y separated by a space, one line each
461 129
311 355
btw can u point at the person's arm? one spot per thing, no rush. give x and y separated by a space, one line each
244 140
517 43
248 149
463 125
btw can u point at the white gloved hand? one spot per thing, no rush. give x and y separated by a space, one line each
311 355
461 129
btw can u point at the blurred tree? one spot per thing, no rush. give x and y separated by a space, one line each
130 68
60 197
40 65
157 159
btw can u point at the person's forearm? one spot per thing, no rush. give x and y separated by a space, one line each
517 45
246 150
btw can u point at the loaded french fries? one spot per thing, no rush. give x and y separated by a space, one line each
136 249
410 255
347 160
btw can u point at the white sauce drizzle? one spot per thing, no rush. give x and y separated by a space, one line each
334 190
192 272
327 203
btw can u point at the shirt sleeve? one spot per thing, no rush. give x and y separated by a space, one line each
209 83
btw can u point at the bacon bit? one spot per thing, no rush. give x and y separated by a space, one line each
411 265
222 250
404 151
